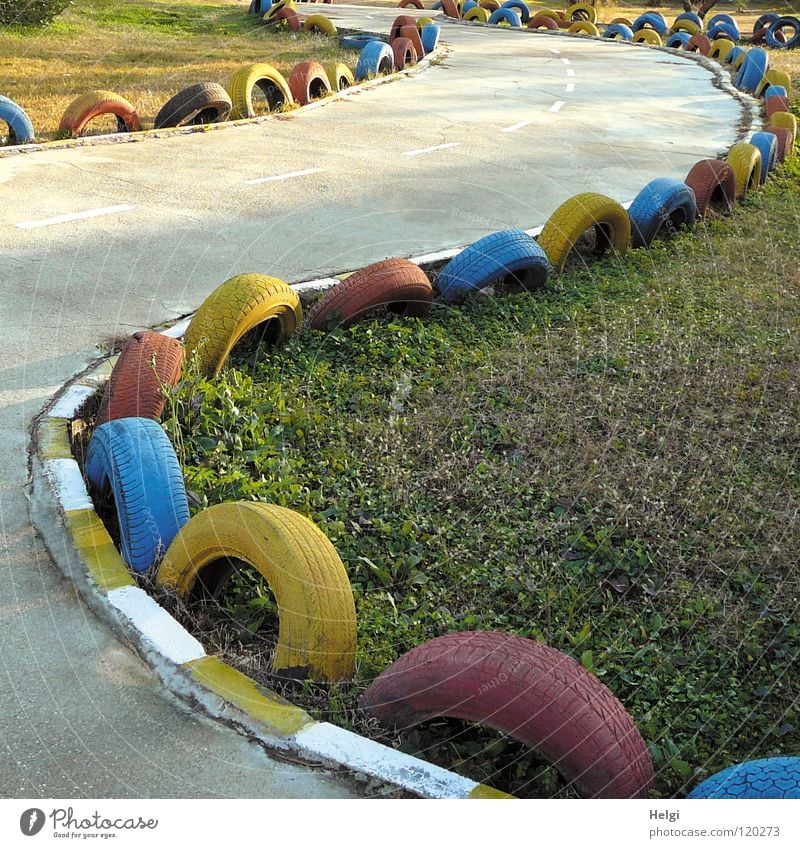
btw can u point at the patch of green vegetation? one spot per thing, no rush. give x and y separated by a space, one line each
608 466
178 19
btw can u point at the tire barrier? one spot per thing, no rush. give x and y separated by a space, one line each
317 619
714 184
92 105
531 692
778 777
489 5
375 60
753 69
698 44
201 103
235 308
620 31
587 211
480 15
724 31
542 22
508 253
275 7
584 28
412 34
520 7
627 21
679 40
259 7
654 21
430 37
581 12
308 81
20 128
767 146
745 159
686 25
319 24
508 16
404 53
783 138
284 17
358 42
727 20
148 362
775 77
720 48
271 84
399 22
398 285
648 36
735 57
133 459
689 16
776 29
775 103
417 4
662 203
340 76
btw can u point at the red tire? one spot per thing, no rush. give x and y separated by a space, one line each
450 8
308 81
698 44
540 21
785 141
147 362
412 34
89 106
776 103
712 181
404 4
404 53
286 16
489 5
530 692
399 285
400 21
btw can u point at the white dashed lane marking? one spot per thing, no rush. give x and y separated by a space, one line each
431 149
570 72
518 126
281 177
74 216
570 87
565 61
556 107
553 50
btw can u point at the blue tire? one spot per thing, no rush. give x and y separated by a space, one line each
134 459
376 58
20 128
470 4
753 69
774 91
765 21
724 31
259 7
520 7
437 6
678 40
767 143
772 33
358 42
508 15
624 33
734 54
430 37
663 201
722 19
490 259
778 777
690 16
656 22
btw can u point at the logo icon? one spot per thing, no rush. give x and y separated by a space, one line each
31 821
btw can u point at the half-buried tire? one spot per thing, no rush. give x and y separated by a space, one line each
397 284
201 103
767 145
404 53
269 81
745 159
233 309
20 128
506 253
134 459
148 362
339 76
375 59
777 777
783 138
317 631
92 105
308 81
527 690
714 184
662 206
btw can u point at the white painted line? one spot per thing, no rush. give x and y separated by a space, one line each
556 107
66 479
565 61
156 625
570 72
553 50
519 126
334 744
280 177
570 87
75 216
177 331
316 285
70 402
431 149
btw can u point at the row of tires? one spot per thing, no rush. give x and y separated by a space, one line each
210 102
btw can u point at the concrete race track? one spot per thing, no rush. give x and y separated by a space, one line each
497 134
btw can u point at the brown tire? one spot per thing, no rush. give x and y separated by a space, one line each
489 5
404 53
287 17
412 34
527 690
698 44
399 285
785 141
400 21
776 103
542 21
713 182
450 9
404 4
308 81
89 106
147 362
201 103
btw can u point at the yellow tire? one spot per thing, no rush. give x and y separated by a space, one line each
479 14
786 120
737 62
686 25
235 308
339 76
577 215
424 21
627 21
720 47
558 17
582 9
745 159
317 631
243 82
648 36
276 7
775 77
320 24
584 28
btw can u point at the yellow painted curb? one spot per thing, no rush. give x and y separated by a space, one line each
280 716
481 791
101 558
54 439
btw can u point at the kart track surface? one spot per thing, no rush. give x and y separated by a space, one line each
101 240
